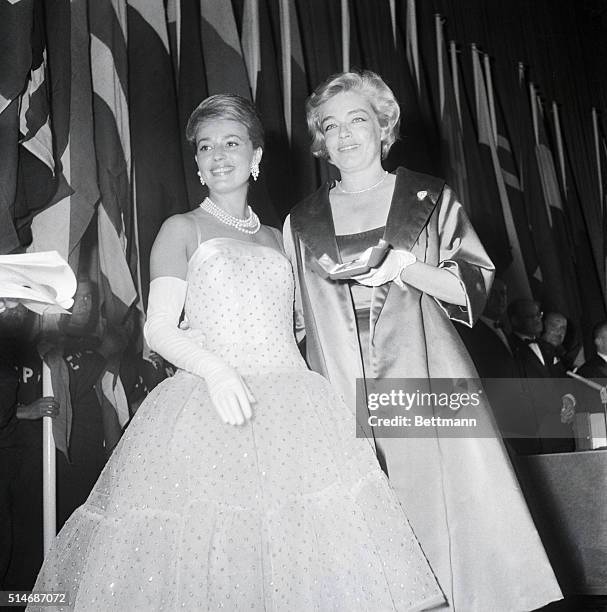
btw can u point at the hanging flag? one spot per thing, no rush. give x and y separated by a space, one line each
483 204
62 224
453 159
173 18
512 183
15 62
224 64
412 47
109 71
271 195
551 219
305 175
587 273
320 22
515 275
16 19
36 182
158 175
191 90
251 45
373 47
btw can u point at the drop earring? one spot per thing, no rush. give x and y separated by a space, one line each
255 170
201 179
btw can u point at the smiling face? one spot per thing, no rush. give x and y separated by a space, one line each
555 328
351 131
224 154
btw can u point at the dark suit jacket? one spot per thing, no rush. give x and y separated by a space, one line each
542 395
588 400
528 363
490 355
595 367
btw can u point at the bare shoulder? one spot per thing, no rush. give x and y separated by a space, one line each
173 244
273 237
181 224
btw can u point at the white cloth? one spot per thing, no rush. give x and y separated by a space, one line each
42 282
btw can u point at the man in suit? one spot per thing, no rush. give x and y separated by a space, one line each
596 366
582 398
551 342
490 350
536 366
487 342
526 322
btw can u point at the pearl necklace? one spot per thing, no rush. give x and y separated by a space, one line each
249 225
381 180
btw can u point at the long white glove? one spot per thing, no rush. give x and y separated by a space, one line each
389 270
229 393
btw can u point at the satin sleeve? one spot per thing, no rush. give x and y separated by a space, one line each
289 247
463 255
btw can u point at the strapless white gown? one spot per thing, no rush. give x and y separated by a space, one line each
288 512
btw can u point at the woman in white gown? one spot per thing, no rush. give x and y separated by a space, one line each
240 483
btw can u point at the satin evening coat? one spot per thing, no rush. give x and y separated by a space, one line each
461 495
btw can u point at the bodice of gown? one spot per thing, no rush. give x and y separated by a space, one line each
240 295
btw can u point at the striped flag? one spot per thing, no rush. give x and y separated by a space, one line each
512 182
453 159
109 71
305 176
551 223
223 60
36 172
15 61
320 24
63 223
158 175
516 274
263 44
16 17
192 88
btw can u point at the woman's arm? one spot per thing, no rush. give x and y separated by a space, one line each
169 261
437 282
169 255
463 273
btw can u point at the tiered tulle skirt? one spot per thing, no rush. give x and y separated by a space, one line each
288 512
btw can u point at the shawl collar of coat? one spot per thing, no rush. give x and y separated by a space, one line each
415 197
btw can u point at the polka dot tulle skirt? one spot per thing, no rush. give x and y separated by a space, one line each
287 512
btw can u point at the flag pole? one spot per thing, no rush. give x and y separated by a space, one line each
412 46
597 152
345 35
559 145
438 24
49 473
287 52
455 78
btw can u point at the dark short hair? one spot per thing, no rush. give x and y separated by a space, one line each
515 307
363 82
597 330
226 106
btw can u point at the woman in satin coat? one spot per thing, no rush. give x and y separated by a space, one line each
460 494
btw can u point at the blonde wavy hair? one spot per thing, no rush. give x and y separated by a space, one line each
363 82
